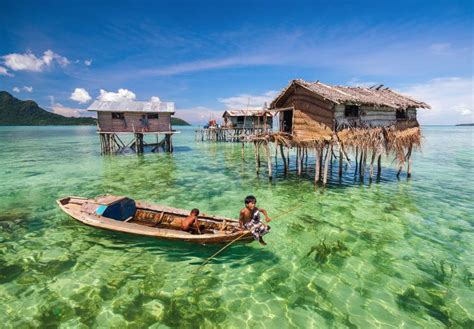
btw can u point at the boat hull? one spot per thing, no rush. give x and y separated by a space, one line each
76 208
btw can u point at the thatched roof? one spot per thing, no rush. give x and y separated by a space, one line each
132 106
245 113
377 96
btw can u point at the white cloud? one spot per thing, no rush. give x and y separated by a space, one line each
4 71
28 89
88 62
16 89
120 95
451 100
356 82
247 101
29 62
199 114
67 111
155 99
80 95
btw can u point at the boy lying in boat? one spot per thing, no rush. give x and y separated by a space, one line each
190 224
250 219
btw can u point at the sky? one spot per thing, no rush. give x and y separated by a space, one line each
211 56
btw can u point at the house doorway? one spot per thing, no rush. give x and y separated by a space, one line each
286 124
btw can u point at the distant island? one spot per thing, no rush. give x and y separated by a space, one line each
15 112
465 124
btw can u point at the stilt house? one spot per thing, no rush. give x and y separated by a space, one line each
248 119
133 117
367 122
313 111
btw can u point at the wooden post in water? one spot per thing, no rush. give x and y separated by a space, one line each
363 164
283 158
379 166
409 161
356 160
326 164
288 157
340 161
243 151
269 160
372 164
257 160
316 166
298 159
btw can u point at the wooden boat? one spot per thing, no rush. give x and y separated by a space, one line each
122 214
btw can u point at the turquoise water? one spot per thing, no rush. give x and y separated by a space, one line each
381 254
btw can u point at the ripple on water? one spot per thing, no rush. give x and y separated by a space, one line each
389 254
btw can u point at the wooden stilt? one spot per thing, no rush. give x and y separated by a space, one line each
276 155
288 157
379 166
326 164
285 165
243 151
257 164
258 154
316 166
362 164
298 159
269 160
372 164
357 159
321 155
409 161
340 161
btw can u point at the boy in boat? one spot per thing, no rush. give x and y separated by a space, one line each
190 223
250 219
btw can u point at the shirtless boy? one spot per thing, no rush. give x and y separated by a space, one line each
250 219
190 223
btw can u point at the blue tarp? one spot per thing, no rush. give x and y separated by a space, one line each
119 211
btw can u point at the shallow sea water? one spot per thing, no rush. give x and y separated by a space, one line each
394 253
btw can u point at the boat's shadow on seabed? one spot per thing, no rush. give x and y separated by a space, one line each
236 255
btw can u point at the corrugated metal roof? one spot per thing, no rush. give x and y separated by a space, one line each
132 106
356 95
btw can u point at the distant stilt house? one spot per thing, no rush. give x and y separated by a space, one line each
134 118
238 125
334 120
248 119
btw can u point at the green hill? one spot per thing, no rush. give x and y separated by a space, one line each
15 112
179 122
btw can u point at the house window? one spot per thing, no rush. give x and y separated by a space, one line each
240 120
118 115
152 116
351 111
401 115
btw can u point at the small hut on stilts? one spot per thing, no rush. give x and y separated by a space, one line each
339 122
136 119
238 126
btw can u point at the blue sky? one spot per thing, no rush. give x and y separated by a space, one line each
210 56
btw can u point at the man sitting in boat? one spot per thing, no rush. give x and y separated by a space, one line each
190 224
250 219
